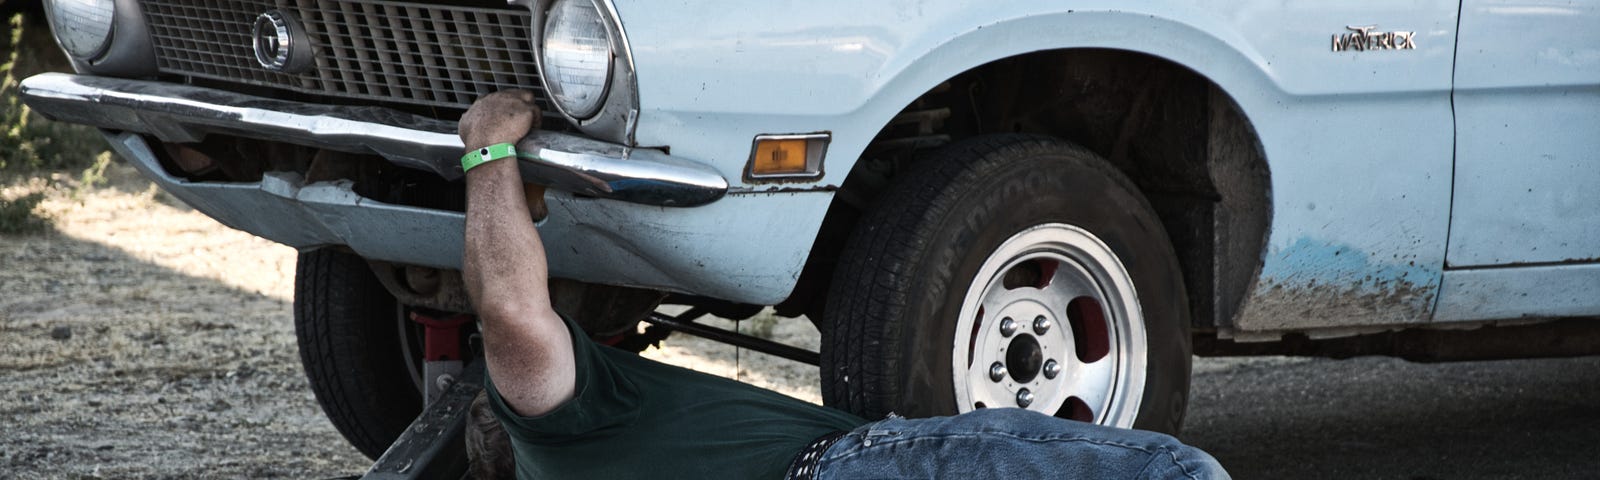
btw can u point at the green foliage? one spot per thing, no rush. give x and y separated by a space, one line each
30 145
13 114
95 175
92 177
29 142
17 215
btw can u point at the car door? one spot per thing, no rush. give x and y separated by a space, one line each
1527 105
1525 220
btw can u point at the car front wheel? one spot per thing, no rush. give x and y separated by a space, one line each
361 356
1010 271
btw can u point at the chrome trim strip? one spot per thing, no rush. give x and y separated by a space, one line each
181 113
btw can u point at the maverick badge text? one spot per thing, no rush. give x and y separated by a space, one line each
1363 39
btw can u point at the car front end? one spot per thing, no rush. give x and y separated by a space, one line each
333 123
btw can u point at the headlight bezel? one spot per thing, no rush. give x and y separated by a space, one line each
619 109
128 50
106 39
589 107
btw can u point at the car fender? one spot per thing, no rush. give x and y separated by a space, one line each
1358 143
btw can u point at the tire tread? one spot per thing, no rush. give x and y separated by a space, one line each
338 305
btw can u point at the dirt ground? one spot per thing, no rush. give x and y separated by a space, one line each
141 339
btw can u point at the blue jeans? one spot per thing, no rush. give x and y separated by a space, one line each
1010 443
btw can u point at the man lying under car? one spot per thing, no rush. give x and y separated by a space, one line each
575 409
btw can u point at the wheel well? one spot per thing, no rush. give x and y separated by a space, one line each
1182 140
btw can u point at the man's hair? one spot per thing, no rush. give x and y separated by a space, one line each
489 454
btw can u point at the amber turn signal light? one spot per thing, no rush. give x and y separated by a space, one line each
779 157
787 156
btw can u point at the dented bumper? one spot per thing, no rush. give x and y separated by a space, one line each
612 217
182 113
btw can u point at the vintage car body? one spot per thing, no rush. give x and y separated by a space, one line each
848 71
1361 145
1367 166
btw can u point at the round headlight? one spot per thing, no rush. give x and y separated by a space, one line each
577 57
82 27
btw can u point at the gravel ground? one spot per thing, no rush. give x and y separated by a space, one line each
139 338
1383 418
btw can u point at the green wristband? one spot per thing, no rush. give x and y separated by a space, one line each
487 154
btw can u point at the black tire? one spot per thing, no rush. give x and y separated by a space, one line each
351 345
901 280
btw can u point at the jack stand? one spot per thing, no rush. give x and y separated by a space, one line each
433 446
441 357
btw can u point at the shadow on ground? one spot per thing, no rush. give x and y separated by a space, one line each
113 367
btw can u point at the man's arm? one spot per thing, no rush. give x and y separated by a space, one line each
527 346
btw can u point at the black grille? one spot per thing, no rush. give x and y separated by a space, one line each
424 54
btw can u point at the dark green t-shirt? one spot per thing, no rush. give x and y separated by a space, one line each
632 417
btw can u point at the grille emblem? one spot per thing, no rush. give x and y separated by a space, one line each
280 43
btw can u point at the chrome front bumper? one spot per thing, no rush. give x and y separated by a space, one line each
730 246
182 113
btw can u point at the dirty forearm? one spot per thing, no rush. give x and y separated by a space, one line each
528 348
504 258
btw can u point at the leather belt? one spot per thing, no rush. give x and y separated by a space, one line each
804 465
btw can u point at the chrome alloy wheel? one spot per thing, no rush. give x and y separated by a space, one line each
1055 327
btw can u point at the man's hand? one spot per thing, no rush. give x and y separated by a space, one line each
500 117
504 117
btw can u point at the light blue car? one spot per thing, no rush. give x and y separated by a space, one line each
1037 204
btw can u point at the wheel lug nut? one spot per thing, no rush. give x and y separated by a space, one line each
997 372
1008 326
1041 325
1024 398
1051 369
